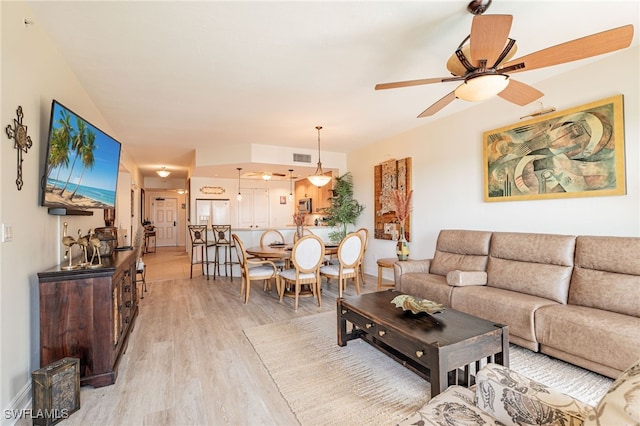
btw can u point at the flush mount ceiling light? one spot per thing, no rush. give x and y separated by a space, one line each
239 194
163 173
266 176
318 178
481 87
290 184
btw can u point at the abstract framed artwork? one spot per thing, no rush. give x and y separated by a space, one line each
578 152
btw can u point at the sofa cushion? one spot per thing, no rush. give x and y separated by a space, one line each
590 333
456 404
621 404
502 307
426 286
605 290
515 399
535 264
463 278
607 274
460 249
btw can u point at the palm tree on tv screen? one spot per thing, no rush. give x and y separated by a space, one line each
86 153
58 154
78 141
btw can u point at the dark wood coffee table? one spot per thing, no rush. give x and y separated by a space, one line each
439 347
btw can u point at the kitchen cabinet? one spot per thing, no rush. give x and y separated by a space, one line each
319 196
89 314
253 209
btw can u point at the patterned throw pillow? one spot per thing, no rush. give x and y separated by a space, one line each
621 404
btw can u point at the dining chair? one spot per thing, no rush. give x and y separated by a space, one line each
350 253
273 236
252 269
200 248
306 256
223 241
364 233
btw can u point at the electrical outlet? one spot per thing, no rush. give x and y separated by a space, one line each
7 233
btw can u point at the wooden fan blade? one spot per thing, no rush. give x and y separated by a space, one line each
520 93
446 100
489 34
408 83
581 48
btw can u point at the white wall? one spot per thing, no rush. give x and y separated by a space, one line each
32 74
448 174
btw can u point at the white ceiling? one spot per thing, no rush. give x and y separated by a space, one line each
172 76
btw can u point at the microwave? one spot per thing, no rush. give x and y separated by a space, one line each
304 205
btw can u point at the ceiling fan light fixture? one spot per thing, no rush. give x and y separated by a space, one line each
290 184
163 173
482 87
318 178
266 177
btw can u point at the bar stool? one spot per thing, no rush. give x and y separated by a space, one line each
200 242
223 240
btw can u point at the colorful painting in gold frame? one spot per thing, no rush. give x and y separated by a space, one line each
578 152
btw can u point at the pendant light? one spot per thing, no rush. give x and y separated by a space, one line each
318 178
163 172
290 184
239 194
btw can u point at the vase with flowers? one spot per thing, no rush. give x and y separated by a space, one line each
402 201
299 219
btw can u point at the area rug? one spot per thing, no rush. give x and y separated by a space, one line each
325 384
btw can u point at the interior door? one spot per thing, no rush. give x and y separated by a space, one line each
165 221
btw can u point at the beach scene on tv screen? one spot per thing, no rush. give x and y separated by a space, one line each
82 166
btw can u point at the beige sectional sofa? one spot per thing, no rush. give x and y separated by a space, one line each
574 298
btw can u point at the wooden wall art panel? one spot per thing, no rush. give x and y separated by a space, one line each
388 176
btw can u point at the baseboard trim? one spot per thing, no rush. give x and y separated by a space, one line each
18 406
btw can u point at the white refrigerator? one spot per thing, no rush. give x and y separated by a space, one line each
213 212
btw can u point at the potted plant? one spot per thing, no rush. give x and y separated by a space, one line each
344 209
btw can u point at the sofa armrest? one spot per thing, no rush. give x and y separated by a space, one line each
413 266
459 278
515 399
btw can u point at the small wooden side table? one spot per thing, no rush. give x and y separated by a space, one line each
385 263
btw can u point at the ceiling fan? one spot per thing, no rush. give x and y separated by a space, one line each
265 175
483 61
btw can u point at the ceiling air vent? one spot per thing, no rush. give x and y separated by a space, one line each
302 158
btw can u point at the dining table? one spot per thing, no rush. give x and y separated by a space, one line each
283 251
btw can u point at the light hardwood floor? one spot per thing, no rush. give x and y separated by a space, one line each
188 361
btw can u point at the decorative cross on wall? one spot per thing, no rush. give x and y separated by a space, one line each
22 142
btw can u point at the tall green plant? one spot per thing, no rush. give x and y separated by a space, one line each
344 209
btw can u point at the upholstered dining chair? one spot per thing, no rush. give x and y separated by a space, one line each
364 233
273 236
252 269
200 248
350 253
306 256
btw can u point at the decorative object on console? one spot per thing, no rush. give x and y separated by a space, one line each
22 142
68 241
389 176
402 201
577 152
318 178
410 303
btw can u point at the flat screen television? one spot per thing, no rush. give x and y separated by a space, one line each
81 169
